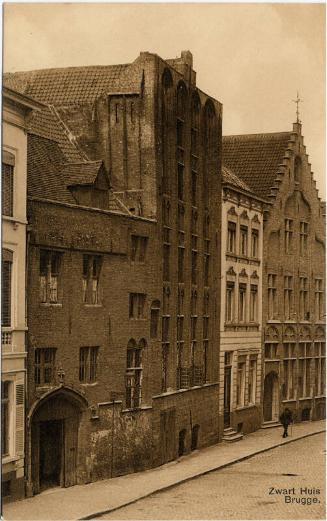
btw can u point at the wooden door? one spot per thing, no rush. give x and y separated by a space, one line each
70 455
227 395
268 397
167 435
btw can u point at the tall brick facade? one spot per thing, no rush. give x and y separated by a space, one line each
278 168
123 298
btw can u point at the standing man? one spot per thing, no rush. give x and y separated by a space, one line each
285 419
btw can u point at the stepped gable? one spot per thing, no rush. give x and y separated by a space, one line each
68 85
256 158
228 177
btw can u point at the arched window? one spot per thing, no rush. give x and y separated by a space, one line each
134 373
8 164
180 137
297 169
167 127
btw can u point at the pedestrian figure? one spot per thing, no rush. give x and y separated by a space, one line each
285 419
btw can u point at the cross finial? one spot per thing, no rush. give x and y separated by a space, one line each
297 101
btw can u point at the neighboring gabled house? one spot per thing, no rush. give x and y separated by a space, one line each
241 307
276 167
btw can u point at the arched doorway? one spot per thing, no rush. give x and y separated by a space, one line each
271 397
54 439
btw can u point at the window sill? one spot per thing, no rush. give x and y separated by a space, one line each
305 398
272 360
320 396
242 407
13 219
10 459
88 384
86 305
141 319
51 304
137 409
274 321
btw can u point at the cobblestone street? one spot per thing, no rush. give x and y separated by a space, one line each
242 490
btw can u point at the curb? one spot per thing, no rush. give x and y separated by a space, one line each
203 473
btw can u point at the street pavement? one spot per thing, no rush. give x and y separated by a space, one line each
247 490
95 499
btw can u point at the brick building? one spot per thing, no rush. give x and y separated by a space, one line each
124 220
241 307
15 112
276 166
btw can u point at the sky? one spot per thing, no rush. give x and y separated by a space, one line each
253 58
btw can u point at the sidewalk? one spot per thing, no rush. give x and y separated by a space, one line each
85 501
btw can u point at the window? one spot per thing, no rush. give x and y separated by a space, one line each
303 237
254 243
272 296
5 418
243 240
252 379
254 303
180 181
136 305
288 297
7 258
180 347
230 299
304 379
304 290
320 368
206 262
154 319
44 367
288 235
7 179
240 384
134 373
138 248
242 302
194 187
165 330
231 237
91 275
88 357
194 266
166 262
319 299
289 365
271 351
49 275
181 253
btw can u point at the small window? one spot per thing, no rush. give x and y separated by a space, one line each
7 189
154 319
44 367
136 305
138 248
244 240
7 258
88 360
134 373
49 275
231 239
90 278
254 243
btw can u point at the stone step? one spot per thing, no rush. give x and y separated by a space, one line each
270 424
235 436
229 429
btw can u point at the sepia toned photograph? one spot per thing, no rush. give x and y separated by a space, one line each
163 291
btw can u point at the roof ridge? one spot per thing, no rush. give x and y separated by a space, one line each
263 134
72 67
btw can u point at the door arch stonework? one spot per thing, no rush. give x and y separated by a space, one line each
53 429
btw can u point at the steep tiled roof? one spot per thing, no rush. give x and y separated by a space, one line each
229 177
81 173
46 123
254 158
66 85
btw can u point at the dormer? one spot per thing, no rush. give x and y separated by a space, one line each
88 183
